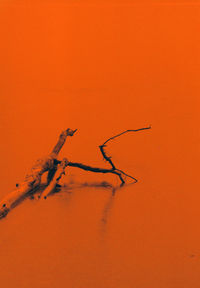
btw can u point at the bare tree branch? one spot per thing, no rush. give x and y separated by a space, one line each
57 176
136 130
32 180
56 169
96 169
108 158
61 141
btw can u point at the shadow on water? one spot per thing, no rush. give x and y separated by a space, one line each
106 213
68 188
109 204
77 185
107 208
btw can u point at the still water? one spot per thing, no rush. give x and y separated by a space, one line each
92 237
102 67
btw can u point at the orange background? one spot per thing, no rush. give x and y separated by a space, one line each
102 67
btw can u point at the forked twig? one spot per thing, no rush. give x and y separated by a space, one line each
55 169
108 158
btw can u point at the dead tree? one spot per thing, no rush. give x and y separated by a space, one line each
55 169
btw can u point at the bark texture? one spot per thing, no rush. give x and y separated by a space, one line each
57 176
33 178
55 169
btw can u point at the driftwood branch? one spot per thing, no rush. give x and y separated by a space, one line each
57 176
56 169
113 170
33 179
61 141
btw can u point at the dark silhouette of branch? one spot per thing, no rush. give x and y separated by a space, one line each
32 180
55 169
113 170
136 130
96 169
108 158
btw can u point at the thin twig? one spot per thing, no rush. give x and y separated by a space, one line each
108 158
136 130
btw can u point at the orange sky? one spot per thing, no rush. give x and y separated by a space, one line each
104 67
